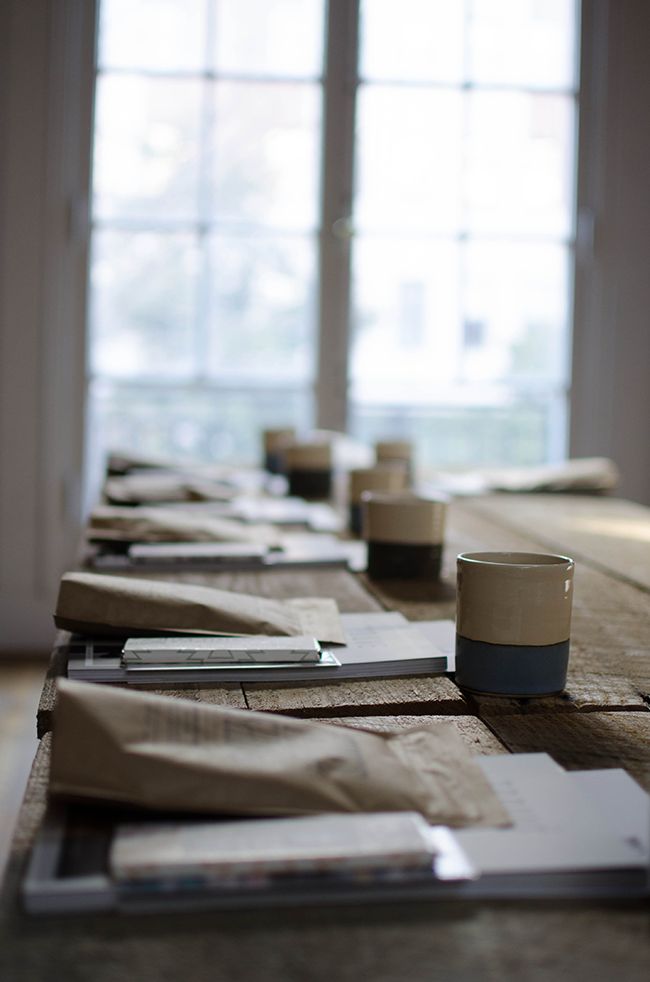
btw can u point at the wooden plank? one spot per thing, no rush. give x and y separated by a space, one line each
581 741
585 692
55 670
474 733
34 801
606 532
435 942
417 600
416 694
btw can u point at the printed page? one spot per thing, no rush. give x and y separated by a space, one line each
443 635
556 827
383 637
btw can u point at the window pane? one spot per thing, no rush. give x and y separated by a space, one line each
192 422
486 429
258 37
143 290
408 159
412 40
406 303
516 315
158 35
522 42
146 148
520 163
266 154
261 322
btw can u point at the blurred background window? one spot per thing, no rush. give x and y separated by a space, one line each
209 193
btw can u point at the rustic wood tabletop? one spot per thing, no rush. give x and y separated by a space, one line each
601 720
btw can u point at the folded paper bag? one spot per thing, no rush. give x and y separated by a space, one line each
122 523
92 603
157 752
134 489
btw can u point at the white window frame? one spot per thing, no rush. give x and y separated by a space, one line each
47 71
336 210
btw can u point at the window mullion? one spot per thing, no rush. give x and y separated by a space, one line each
336 210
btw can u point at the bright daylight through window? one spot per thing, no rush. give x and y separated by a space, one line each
209 189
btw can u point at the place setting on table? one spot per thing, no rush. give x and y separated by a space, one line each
185 804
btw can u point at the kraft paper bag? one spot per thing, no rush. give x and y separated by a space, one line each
92 603
165 753
134 489
126 524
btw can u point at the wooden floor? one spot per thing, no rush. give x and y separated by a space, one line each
20 687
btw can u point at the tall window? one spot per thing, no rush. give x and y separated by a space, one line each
216 202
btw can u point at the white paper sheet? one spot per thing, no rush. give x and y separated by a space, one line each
557 827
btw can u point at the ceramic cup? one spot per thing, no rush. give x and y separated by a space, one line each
275 443
385 477
405 534
309 470
513 620
396 452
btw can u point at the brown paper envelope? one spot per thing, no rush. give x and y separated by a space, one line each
151 488
135 488
122 523
92 603
165 753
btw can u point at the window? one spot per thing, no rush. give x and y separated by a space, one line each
250 177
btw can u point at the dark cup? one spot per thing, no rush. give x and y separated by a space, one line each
275 443
405 534
309 470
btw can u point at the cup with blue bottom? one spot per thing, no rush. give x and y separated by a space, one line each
513 622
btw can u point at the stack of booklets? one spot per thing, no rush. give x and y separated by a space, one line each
378 645
582 834
273 509
319 516
295 550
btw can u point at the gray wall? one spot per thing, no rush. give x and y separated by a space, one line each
610 404
45 51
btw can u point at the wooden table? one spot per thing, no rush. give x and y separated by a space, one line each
601 720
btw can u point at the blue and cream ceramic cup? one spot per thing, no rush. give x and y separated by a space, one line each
513 622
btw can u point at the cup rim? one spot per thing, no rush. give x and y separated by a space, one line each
402 498
384 466
515 560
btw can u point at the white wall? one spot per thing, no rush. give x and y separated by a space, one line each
45 52
45 48
610 406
